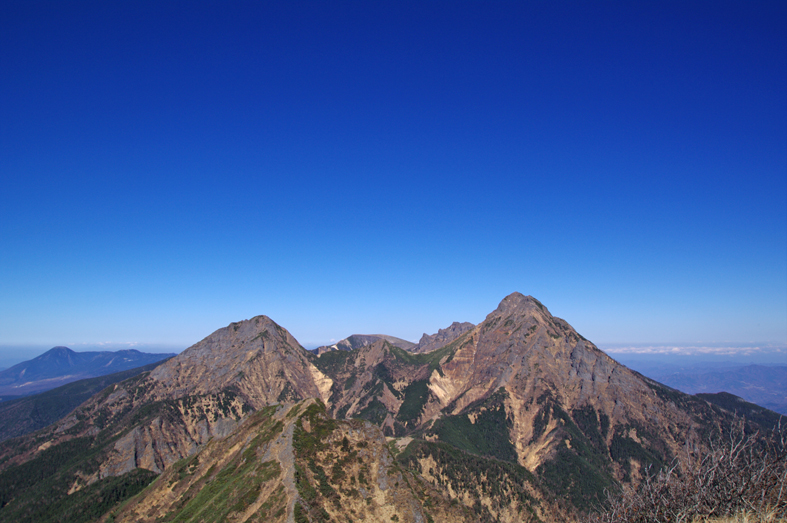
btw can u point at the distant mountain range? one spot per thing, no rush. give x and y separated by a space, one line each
516 419
765 385
61 365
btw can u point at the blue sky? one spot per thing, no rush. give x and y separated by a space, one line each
390 167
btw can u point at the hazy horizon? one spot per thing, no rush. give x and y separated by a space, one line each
392 167
629 353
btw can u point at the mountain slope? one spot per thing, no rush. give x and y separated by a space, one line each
524 387
159 417
30 413
292 464
61 365
443 337
518 418
767 419
256 358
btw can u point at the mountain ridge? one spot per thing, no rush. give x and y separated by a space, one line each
521 396
356 341
442 337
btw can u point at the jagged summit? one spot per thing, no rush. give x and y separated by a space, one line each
241 333
443 337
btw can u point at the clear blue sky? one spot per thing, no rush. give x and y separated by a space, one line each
390 167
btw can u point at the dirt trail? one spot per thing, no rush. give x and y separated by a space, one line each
281 450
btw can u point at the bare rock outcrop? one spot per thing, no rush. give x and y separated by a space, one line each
442 338
356 341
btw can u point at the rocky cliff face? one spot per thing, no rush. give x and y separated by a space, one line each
443 337
292 464
516 418
259 360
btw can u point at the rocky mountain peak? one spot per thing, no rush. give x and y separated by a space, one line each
240 336
517 304
247 329
257 357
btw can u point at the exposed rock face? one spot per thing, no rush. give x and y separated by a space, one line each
257 358
162 416
170 436
356 341
522 347
443 337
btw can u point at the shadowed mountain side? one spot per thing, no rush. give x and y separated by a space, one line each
30 413
61 365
